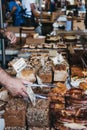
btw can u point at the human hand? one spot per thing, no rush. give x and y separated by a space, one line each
16 87
11 36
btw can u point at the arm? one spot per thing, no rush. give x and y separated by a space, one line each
14 85
33 9
36 14
10 35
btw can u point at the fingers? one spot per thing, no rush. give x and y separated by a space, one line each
11 36
24 94
26 82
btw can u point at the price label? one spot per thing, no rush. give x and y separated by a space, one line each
53 53
31 95
19 65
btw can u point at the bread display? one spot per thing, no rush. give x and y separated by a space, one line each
44 90
27 74
11 71
32 46
45 74
48 45
15 113
83 85
73 111
39 46
59 45
77 71
60 72
38 116
63 107
10 64
70 38
53 38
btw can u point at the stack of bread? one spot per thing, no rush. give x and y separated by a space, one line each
15 114
60 72
77 72
45 74
38 116
70 112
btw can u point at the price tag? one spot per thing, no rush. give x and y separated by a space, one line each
31 95
19 65
53 53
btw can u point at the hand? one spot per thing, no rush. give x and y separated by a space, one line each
11 36
16 87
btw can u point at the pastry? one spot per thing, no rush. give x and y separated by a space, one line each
27 75
83 85
32 46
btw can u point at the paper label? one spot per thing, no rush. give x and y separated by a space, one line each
19 65
31 95
52 53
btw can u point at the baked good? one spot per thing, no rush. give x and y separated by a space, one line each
11 71
70 38
76 71
68 119
49 45
57 93
83 85
39 45
15 112
10 64
81 121
53 38
75 109
32 46
25 46
75 93
45 74
27 74
38 116
60 67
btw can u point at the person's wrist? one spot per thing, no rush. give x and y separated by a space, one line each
4 77
3 32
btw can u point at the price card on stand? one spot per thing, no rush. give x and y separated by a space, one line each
19 65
